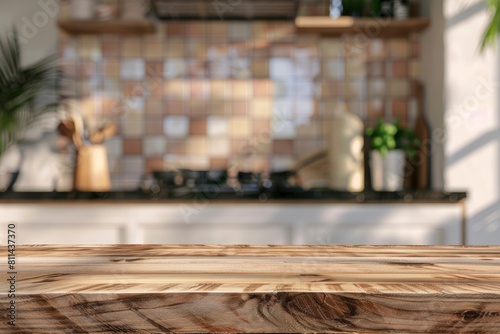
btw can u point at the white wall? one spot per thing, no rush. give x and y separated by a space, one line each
35 22
472 147
432 75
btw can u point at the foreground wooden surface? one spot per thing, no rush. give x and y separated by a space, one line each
255 289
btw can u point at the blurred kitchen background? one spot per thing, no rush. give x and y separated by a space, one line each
255 87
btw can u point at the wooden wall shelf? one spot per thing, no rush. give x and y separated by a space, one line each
137 27
371 27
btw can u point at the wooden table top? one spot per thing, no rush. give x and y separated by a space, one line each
252 289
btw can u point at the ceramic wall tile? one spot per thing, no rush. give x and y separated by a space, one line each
241 68
111 68
132 147
238 107
132 165
239 127
132 69
282 31
333 69
398 88
240 31
376 69
218 29
260 68
197 145
308 68
217 126
196 29
174 48
218 147
263 88
308 129
306 146
283 147
176 90
241 89
375 108
399 107
261 31
196 68
355 70
153 50
330 48
400 69
355 89
199 89
282 128
399 48
260 125
239 147
376 87
196 48
131 49
218 163
153 146
280 68
176 126
175 108
132 124
154 125
414 69
261 108
175 68
154 72
281 163
111 49
154 164
305 108
176 147
247 95
175 29
331 89
219 69
377 49
198 126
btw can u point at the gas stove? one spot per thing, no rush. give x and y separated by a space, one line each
184 183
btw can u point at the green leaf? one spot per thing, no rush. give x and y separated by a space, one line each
20 87
491 32
390 129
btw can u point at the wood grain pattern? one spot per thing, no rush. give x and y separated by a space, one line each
371 27
254 289
130 27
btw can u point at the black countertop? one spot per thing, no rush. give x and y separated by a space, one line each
315 195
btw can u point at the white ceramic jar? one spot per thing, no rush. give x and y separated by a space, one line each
82 9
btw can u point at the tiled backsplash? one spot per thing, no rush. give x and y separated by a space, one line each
249 96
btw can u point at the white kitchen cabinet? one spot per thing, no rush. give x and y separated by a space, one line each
232 223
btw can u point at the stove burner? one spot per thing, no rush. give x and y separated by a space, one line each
186 182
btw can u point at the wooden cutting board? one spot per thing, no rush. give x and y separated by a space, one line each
253 289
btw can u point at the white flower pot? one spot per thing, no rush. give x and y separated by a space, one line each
387 172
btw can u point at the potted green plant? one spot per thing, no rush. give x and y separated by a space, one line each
25 91
390 144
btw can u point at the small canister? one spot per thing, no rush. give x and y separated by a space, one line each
401 9
82 9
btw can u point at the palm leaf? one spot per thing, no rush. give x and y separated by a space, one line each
493 28
19 89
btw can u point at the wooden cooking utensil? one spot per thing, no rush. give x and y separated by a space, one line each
107 131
